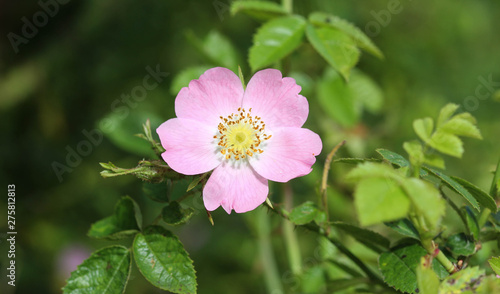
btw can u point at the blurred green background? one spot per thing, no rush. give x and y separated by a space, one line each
71 74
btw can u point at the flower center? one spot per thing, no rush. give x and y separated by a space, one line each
241 134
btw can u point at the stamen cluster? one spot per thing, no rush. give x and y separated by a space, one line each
241 134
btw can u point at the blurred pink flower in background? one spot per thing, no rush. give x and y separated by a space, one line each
246 136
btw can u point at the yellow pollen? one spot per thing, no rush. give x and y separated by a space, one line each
240 133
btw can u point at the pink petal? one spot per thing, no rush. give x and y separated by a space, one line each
217 93
276 99
189 146
289 153
235 186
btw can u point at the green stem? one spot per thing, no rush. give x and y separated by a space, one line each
432 249
287 5
291 242
271 274
483 217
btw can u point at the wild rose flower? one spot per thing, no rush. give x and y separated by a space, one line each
245 136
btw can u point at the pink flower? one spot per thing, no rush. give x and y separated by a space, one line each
245 136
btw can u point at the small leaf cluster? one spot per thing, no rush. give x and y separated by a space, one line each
156 251
410 197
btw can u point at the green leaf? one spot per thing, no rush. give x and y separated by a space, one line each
399 267
471 221
371 239
157 191
427 280
275 40
446 112
120 127
324 19
260 10
484 199
365 91
415 152
460 244
304 213
379 200
162 260
404 227
455 186
426 201
495 264
446 143
313 279
335 46
336 99
461 281
106 271
434 160
423 128
355 161
461 127
125 222
393 157
221 51
372 170
183 78
174 214
196 181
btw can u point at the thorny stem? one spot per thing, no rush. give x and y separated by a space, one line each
324 180
292 245
434 251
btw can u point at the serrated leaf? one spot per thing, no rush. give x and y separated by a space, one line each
455 186
404 227
460 244
461 281
158 192
427 280
336 99
423 127
371 239
399 266
162 260
183 78
370 170
484 199
304 213
336 47
275 40
393 157
446 112
426 201
461 127
446 143
260 10
106 271
495 264
174 214
125 222
378 200
363 41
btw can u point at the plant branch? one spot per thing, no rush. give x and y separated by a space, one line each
291 243
324 180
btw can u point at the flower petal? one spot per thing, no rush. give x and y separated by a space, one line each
189 146
218 92
289 153
276 99
235 186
